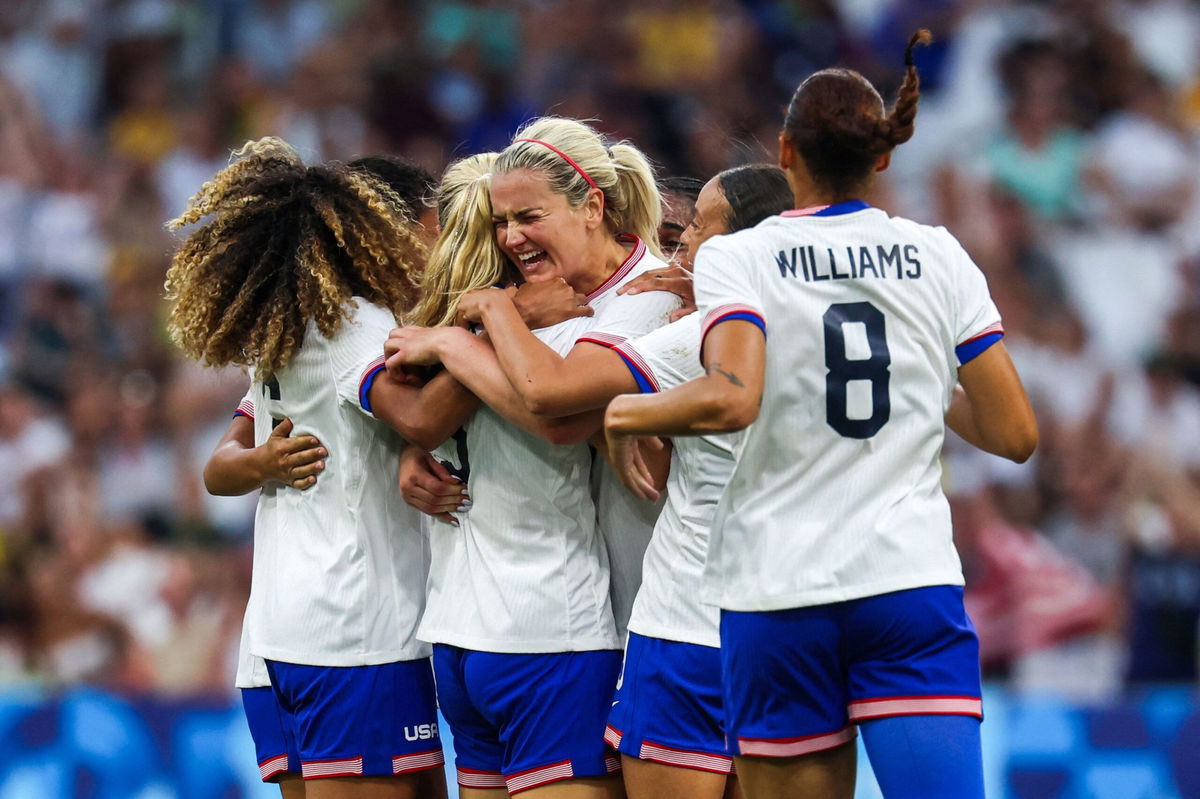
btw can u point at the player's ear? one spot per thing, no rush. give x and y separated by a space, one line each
787 153
883 161
593 209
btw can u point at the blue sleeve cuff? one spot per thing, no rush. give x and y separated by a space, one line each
969 350
644 383
364 386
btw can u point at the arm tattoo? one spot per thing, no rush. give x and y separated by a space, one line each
730 376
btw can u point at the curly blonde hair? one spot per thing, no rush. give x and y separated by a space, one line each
282 244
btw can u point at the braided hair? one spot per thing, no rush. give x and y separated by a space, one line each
283 244
837 124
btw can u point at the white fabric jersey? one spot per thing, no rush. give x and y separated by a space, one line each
339 569
836 493
531 501
251 670
668 604
626 522
525 572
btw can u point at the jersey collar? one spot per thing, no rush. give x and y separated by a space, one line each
837 209
631 260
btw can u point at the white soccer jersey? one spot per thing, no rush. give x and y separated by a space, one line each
339 569
251 670
668 604
836 493
626 522
525 571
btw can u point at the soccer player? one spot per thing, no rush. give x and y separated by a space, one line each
669 700
831 555
526 651
238 467
679 206
299 272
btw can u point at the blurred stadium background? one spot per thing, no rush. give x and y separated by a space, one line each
1057 139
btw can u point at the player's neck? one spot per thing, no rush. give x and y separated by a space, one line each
605 257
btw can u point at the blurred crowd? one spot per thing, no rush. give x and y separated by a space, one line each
1059 140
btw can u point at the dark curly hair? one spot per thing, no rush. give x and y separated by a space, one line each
282 244
836 123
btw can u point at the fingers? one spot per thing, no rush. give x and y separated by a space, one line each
432 503
303 457
306 470
682 312
643 480
585 310
653 443
304 483
439 471
638 482
283 429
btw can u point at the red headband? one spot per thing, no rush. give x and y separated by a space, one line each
566 158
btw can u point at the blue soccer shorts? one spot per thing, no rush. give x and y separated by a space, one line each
274 749
668 706
355 721
796 681
521 721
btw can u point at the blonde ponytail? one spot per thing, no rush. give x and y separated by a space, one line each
574 159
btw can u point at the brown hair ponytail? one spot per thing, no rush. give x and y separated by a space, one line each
836 123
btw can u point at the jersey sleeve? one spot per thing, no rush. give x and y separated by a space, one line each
725 288
631 315
246 406
357 353
666 357
977 322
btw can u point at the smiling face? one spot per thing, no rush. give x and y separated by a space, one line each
711 219
537 229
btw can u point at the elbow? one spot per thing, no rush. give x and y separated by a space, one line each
538 401
735 419
1022 447
563 436
729 414
214 486
424 438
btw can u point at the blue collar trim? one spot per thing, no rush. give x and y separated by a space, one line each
848 207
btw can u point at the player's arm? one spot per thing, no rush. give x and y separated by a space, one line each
238 467
724 400
547 383
425 415
474 362
992 411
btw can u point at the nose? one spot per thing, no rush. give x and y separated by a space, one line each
513 235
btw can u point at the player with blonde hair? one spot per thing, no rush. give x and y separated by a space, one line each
510 651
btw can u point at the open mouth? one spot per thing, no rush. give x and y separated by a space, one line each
531 259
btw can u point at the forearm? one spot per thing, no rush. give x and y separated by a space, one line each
234 470
425 416
961 419
477 366
535 371
708 404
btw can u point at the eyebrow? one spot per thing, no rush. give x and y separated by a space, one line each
674 226
519 212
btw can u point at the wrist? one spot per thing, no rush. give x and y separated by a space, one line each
616 416
260 465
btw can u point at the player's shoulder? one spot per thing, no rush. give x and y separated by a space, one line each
363 313
936 235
